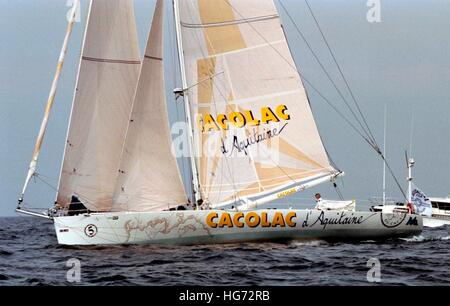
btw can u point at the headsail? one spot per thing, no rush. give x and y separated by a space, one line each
101 109
255 132
149 178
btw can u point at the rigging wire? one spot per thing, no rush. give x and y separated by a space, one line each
341 72
306 80
322 66
369 138
37 176
332 162
366 138
394 176
214 102
238 198
338 191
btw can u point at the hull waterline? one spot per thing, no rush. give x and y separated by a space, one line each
219 227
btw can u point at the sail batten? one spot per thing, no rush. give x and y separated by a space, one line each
254 129
107 78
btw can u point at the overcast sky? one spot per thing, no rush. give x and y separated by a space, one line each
402 62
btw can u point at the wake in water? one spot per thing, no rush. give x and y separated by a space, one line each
438 235
313 243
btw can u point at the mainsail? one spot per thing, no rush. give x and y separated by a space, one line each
107 80
149 178
254 129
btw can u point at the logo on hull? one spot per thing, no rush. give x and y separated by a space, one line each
90 230
251 220
392 220
412 221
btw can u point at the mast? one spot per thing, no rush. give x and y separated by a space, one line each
183 92
50 101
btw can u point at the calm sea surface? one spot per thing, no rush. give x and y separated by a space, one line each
29 255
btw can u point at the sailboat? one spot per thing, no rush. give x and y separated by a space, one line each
252 137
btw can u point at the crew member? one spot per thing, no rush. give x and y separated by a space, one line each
318 200
410 208
318 197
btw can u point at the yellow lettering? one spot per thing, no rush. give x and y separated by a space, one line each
281 112
264 221
289 218
238 216
210 220
286 193
278 220
221 120
267 115
252 219
225 220
237 119
251 119
209 124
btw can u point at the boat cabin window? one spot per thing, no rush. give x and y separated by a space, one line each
441 205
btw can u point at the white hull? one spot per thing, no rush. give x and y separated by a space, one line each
213 227
435 222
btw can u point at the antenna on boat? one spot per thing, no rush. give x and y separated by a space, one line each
50 102
410 162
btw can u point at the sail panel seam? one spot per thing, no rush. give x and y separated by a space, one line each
321 170
254 99
111 61
153 57
267 44
228 23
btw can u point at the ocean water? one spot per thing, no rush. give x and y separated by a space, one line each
30 255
